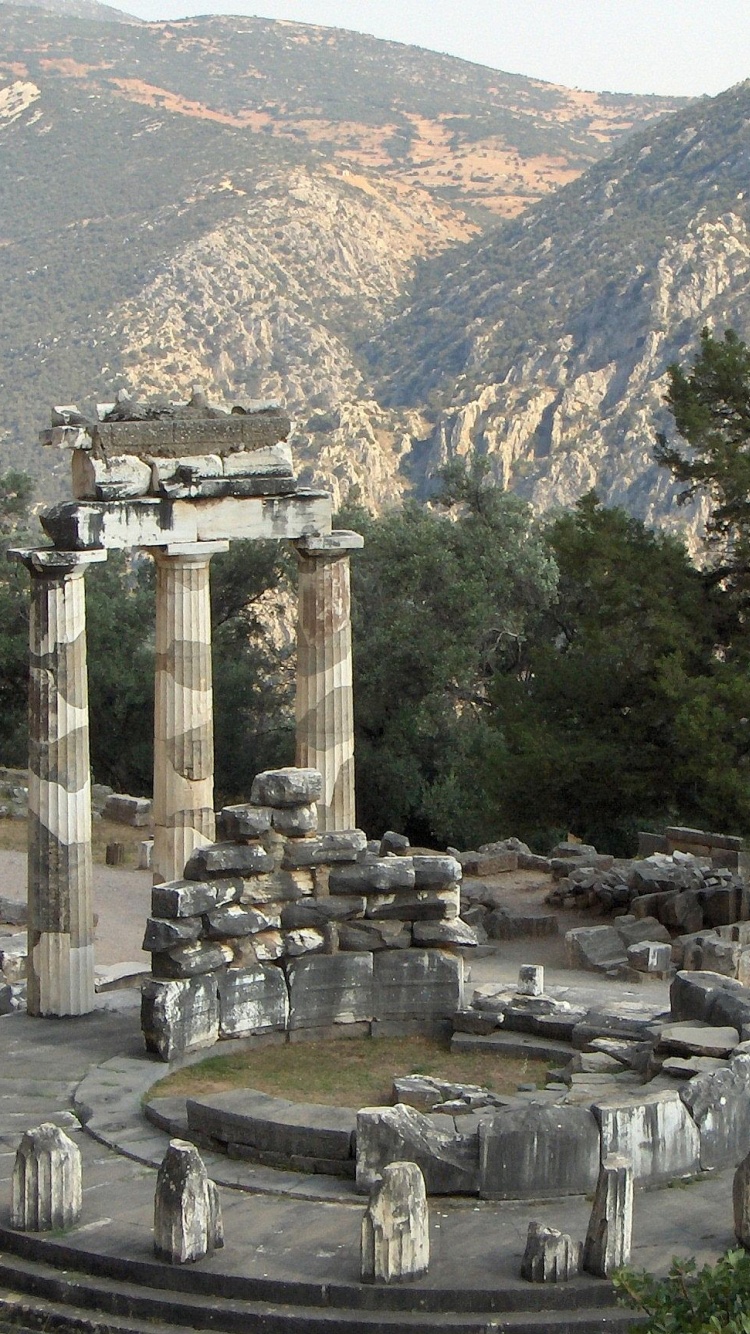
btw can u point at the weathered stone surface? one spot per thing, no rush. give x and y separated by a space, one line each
609 1235
632 930
417 984
134 811
296 821
218 860
46 1185
684 1067
422 905
531 979
374 875
681 911
720 1107
550 1256
179 1016
287 787
488 863
252 1000
697 1039
190 898
192 960
650 956
269 1125
244 821
395 843
691 994
372 935
653 1131
395 1229
731 1008
538 1152
436 872
162 933
435 934
304 940
601 1024
721 904
449 1162
267 946
234 920
595 947
279 887
330 989
317 912
741 1203
317 849
187 1212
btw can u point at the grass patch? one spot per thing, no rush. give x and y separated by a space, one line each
356 1072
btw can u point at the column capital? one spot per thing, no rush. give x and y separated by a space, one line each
338 543
53 562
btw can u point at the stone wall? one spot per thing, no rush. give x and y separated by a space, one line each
277 929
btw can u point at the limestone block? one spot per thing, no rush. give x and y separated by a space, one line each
417 984
448 1161
317 912
46 1186
649 956
436 872
741 1203
318 849
122 477
434 934
187 1212
164 933
489 863
692 994
714 955
287 787
330 989
722 904
598 948
278 887
395 1228
272 460
244 821
681 912
654 1131
184 468
190 898
550 1256
218 860
296 821
395 843
632 930
192 960
697 1039
133 811
252 1000
374 935
608 1239
267 946
274 1125
422 905
179 1016
730 1008
234 920
538 1152
264 518
374 875
719 1104
531 979
304 940
684 1067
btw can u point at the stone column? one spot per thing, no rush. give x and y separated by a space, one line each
61 917
183 707
325 714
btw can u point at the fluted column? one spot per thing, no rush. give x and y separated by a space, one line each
183 707
325 713
60 895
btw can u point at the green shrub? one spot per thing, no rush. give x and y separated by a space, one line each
714 1300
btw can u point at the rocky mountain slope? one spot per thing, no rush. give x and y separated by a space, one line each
243 203
544 344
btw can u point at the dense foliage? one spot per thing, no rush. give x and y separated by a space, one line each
715 1300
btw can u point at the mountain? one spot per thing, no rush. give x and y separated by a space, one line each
243 203
80 9
544 344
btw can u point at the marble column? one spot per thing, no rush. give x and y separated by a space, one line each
183 707
325 713
60 898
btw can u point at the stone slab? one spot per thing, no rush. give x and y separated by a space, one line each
538 1152
330 989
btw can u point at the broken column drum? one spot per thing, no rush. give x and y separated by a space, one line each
61 930
183 712
325 706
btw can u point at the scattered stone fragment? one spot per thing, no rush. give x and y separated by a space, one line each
608 1239
244 822
649 956
287 787
218 860
550 1256
46 1191
187 1212
395 1227
531 979
697 1040
386 1135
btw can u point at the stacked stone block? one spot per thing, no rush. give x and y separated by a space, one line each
280 928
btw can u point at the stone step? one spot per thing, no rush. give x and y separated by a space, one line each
74 1301
506 1043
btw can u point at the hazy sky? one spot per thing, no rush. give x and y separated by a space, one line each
679 47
